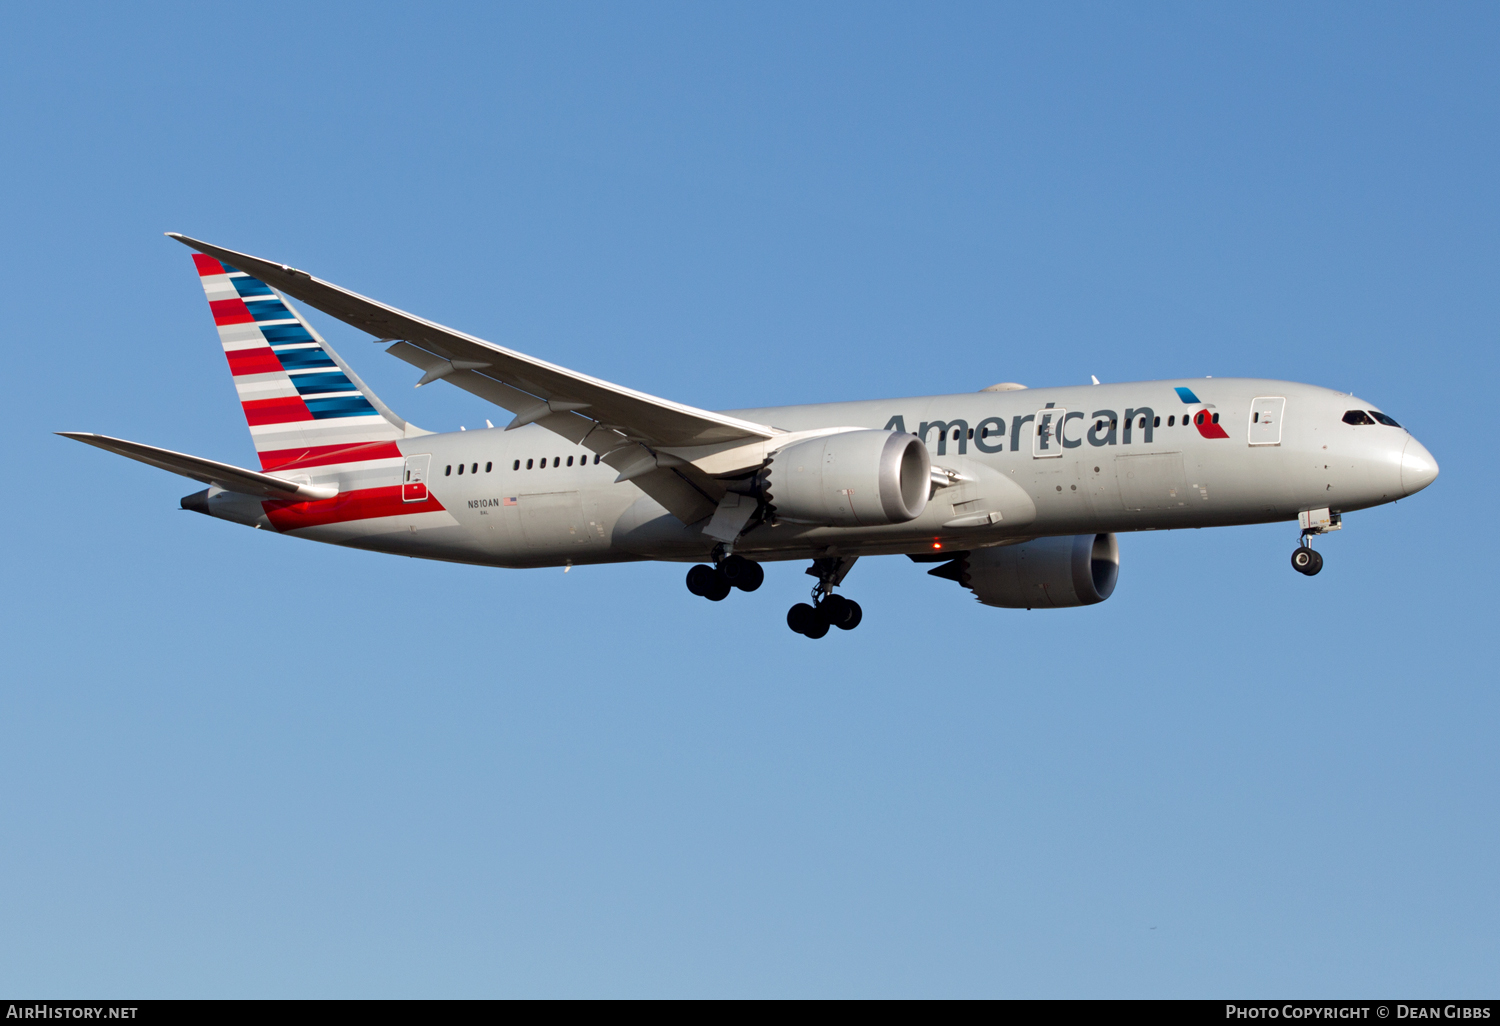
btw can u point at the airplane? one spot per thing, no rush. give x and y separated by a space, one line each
1016 494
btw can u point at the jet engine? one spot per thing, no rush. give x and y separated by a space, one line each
1046 573
850 479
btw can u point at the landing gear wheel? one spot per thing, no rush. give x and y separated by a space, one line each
853 616
804 619
744 574
700 580
706 582
1306 561
840 612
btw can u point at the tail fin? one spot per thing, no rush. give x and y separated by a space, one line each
302 402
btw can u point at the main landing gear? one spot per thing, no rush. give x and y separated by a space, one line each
832 611
715 582
827 609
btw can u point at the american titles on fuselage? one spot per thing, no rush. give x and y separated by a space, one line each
1052 424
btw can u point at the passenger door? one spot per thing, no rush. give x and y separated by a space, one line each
1265 420
414 480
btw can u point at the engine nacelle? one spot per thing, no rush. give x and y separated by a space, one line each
850 479
1043 574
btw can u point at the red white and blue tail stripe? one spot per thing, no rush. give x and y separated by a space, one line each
311 417
302 403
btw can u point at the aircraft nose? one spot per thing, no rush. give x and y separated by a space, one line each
1418 468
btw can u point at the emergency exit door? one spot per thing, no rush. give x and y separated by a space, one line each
414 483
1265 420
1046 442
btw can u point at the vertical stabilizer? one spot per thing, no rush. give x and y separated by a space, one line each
303 404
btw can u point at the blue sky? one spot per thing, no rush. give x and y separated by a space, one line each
242 765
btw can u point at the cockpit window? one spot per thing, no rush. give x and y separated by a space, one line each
1357 417
1388 422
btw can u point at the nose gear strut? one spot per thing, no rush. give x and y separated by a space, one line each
1313 521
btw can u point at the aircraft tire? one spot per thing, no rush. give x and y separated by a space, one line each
700 580
1306 561
719 588
744 574
802 617
756 577
851 618
841 612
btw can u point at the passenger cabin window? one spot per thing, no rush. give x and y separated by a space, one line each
557 461
474 469
448 470
1156 422
460 470
488 467
1216 418
528 464
516 465
1172 421
570 461
1388 422
1357 417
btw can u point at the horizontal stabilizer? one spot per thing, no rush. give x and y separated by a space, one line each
210 472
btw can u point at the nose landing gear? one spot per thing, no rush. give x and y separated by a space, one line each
1306 561
1313 522
827 609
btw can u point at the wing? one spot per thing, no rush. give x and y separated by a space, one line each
632 431
210 472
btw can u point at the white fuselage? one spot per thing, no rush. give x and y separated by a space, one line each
537 500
